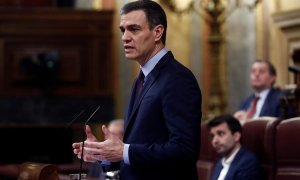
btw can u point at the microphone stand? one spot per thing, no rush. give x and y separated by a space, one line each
70 123
83 138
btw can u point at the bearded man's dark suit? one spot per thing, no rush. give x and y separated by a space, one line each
163 125
244 166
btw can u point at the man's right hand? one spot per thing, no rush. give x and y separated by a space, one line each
77 147
241 116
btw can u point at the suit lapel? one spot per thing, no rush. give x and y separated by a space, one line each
217 171
135 104
131 101
233 165
151 78
266 103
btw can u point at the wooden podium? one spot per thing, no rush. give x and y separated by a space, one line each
38 171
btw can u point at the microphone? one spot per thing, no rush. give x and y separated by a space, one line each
73 120
294 69
83 138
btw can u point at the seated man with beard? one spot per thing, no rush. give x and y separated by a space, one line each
236 163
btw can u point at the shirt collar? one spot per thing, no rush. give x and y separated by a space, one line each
149 66
263 94
229 160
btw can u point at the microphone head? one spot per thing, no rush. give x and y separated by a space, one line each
91 116
294 69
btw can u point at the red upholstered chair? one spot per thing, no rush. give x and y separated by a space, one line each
259 137
288 150
9 171
207 155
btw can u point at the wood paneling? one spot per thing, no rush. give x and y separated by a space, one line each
27 3
81 38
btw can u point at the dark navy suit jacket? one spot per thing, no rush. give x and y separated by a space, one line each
163 125
271 106
244 166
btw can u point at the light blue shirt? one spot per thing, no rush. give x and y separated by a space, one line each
147 68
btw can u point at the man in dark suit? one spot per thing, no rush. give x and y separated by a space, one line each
271 106
236 163
162 127
266 99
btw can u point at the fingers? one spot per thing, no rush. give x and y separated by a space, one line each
240 115
76 145
89 144
92 158
89 134
77 148
105 131
89 157
88 129
90 153
96 148
89 147
110 149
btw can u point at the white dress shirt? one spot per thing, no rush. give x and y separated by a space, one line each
226 164
262 97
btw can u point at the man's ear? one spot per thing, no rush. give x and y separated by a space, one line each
158 32
273 80
237 136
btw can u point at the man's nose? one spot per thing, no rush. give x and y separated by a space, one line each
215 140
257 73
125 36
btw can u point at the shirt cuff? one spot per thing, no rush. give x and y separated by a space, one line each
104 163
126 154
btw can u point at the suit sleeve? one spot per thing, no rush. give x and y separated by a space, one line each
181 111
250 170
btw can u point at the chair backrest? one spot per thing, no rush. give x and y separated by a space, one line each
207 155
9 171
288 149
259 137
206 150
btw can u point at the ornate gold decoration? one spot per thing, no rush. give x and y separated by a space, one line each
215 13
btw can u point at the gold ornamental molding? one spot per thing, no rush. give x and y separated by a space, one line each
287 19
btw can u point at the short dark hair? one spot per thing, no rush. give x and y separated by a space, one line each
233 124
154 12
271 68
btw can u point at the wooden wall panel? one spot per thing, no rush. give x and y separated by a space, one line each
81 38
27 3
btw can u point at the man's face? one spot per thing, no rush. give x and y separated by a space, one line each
223 141
138 39
260 76
116 127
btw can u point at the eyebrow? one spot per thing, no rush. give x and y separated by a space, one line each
131 26
219 131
